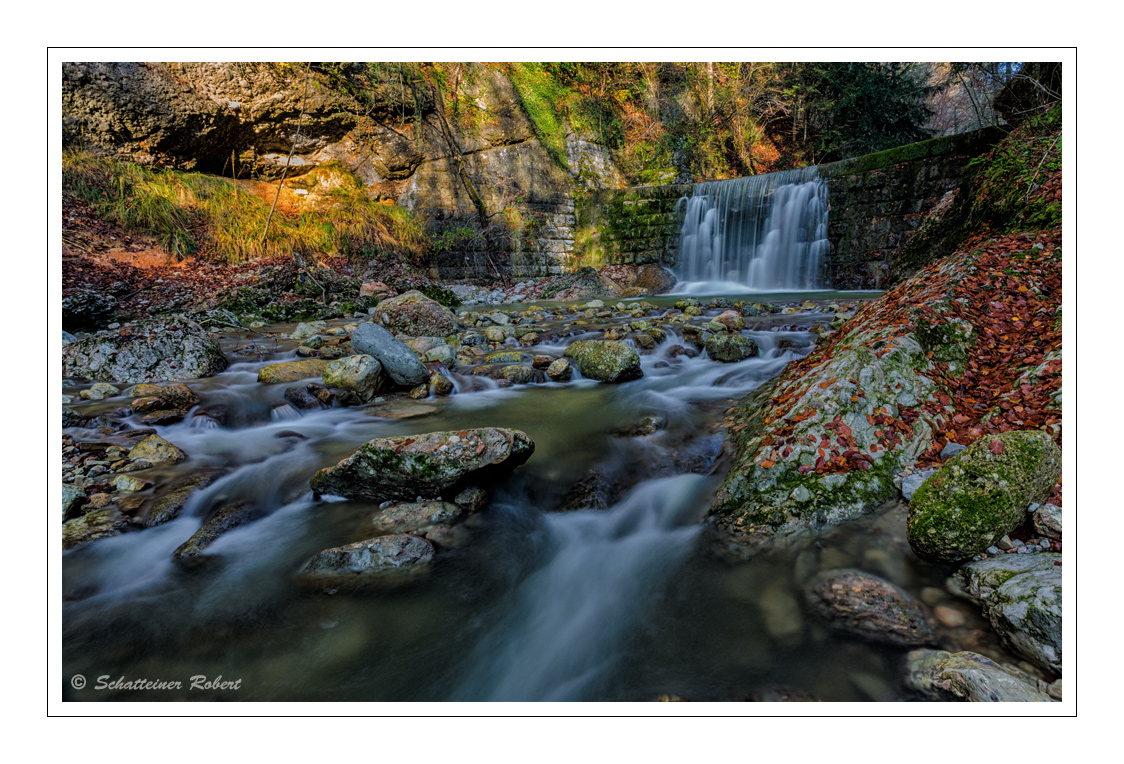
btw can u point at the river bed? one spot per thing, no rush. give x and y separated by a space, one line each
629 601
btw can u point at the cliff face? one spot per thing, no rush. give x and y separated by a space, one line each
242 119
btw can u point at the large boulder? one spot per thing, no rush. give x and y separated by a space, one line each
1021 595
655 279
428 465
380 559
981 494
159 350
400 363
967 676
414 314
605 360
868 607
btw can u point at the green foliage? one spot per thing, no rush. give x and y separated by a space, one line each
854 108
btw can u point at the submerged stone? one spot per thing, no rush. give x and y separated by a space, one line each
223 521
367 561
868 607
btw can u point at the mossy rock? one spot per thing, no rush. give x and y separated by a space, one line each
605 360
730 348
981 494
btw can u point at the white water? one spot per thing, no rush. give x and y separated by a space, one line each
757 234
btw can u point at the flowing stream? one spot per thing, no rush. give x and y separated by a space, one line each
624 599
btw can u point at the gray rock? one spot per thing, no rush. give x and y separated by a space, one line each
157 350
67 338
426 465
400 363
1048 520
1021 595
913 481
99 392
86 309
71 418
868 607
967 676
951 449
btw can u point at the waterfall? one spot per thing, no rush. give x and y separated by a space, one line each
761 233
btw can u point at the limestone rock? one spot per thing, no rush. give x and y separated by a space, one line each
967 676
868 607
87 309
149 351
412 517
981 494
425 465
605 360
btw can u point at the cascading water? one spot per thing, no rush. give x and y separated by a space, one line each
756 234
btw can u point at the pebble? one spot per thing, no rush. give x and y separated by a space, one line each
949 617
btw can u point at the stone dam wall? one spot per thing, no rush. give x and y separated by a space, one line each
876 202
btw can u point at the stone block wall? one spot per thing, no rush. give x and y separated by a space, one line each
878 201
634 226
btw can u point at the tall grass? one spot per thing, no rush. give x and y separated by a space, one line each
190 212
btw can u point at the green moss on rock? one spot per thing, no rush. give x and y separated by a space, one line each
981 494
